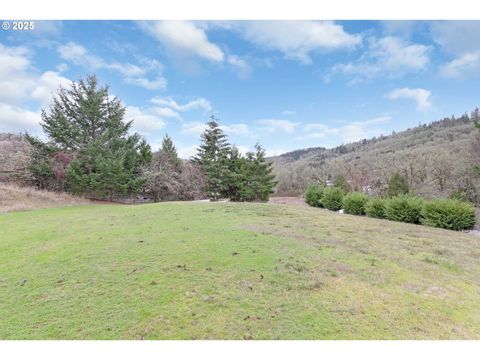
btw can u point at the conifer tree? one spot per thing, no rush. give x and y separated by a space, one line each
169 148
84 122
237 176
212 155
262 177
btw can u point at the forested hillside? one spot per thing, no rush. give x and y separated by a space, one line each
437 159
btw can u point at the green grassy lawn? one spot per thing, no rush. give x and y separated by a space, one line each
232 271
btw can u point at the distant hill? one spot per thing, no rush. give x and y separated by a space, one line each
436 159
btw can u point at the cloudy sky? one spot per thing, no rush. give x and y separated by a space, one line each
287 84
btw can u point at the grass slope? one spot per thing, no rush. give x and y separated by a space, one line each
232 271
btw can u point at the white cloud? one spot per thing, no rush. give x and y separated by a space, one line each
18 119
388 56
144 121
297 39
241 65
186 152
278 125
456 37
166 112
243 149
78 55
236 129
316 127
460 40
350 132
194 128
16 79
133 74
21 83
465 64
188 40
401 28
158 83
128 70
183 38
48 85
419 95
195 104
289 112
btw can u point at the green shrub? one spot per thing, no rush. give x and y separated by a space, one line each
448 214
314 194
404 208
458 195
354 203
398 185
375 207
341 183
333 198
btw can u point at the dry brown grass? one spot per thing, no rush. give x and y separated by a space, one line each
17 198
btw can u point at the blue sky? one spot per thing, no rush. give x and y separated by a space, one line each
286 84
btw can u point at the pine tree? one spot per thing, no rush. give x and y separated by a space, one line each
168 147
237 176
86 123
212 155
263 179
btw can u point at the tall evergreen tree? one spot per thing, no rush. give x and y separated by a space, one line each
169 148
85 122
262 178
212 155
237 175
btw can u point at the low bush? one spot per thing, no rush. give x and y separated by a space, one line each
314 195
332 198
354 203
375 208
458 195
404 208
448 214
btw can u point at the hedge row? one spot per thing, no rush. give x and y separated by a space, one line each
330 198
450 214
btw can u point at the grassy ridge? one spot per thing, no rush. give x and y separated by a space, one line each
196 270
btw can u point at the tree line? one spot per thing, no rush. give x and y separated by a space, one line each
90 151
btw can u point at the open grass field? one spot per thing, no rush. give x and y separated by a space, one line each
232 271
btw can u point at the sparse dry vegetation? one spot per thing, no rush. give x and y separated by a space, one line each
18 198
14 155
